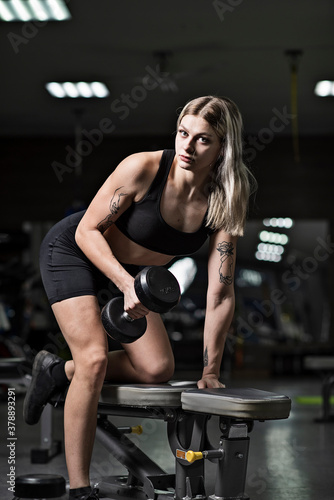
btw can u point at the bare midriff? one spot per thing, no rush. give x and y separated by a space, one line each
127 251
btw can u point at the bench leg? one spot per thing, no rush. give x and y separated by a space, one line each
49 448
188 432
327 386
145 476
232 469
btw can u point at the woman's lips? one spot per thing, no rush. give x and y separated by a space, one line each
187 159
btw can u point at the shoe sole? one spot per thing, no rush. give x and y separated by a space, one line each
35 371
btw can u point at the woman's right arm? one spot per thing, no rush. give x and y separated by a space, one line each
123 186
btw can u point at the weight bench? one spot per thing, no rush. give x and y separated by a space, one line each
186 410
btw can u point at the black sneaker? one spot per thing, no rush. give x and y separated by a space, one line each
41 388
93 495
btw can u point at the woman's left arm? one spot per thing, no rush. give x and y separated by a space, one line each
219 307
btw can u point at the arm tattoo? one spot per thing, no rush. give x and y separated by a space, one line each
226 254
113 207
206 357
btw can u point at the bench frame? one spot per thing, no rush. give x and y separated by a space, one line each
186 430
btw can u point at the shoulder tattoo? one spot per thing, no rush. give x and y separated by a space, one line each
114 208
226 251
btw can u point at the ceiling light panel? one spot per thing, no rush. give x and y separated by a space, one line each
324 88
33 10
75 90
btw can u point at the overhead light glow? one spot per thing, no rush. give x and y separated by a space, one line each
39 10
278 222
58 9
77 89
33 10
269 252
20 10
268 248
71 90
84 89
184 271
249 277
55 89
270 237
6 14
99 89
324 88
267 256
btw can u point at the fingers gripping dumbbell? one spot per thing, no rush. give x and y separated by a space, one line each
156 288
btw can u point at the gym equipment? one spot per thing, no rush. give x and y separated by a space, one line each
39 486
325 366
186 411
156 288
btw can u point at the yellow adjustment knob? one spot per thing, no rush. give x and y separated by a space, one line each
137 429
191 456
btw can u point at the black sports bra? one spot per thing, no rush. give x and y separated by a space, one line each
142 222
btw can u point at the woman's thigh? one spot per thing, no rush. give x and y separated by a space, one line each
80 322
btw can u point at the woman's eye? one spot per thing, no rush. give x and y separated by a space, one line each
183 133
204 140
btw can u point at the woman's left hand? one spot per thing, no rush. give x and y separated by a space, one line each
209 381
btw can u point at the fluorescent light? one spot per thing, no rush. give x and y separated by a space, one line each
270 248
271 237
34 10
85 89
55 89
249 277
278 222
6 14
99 89
58 9
324 88
39 10
21 11
71 90
267 256
77 89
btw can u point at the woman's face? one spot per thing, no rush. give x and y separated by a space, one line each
197 145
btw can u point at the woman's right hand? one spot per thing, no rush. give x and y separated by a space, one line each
132 304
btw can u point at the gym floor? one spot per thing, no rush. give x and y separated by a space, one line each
289 459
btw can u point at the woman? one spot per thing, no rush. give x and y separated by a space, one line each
153 207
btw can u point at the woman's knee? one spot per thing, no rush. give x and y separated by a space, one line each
159 371
91 365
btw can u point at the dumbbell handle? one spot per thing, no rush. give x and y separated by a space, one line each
126 316
156 288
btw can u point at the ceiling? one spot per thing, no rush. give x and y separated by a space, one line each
234 48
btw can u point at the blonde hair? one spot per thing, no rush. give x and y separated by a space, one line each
231 181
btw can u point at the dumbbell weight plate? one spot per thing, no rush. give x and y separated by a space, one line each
117 326
40 486
157 289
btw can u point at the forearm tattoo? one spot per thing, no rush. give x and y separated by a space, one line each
226 254
114 208
206 357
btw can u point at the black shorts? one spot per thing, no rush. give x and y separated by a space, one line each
66 271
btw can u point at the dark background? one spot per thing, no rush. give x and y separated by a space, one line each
232 48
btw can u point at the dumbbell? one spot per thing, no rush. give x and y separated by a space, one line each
39 486
156 288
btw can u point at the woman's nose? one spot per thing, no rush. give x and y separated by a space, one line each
189 146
